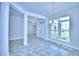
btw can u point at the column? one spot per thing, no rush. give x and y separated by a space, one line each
4 29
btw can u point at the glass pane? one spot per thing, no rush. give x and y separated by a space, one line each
65 25
65 30
55 25
54 34
65 35
62 25
50 21
65 18
54 29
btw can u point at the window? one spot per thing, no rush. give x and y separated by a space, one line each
60 28
64 27
55 29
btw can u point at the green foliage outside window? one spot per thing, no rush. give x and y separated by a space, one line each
60 28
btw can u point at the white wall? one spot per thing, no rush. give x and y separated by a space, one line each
16 28
0 7
0 21
26 14
16 22
47 30
41 29
31 28
74 25
4 28
4 22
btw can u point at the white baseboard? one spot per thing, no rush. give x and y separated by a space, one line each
64 44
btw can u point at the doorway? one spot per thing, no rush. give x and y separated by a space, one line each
32 29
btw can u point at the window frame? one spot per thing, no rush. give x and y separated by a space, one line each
64 30
59 28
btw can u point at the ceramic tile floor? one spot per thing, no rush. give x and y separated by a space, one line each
40 47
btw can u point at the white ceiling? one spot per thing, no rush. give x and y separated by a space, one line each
46 8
